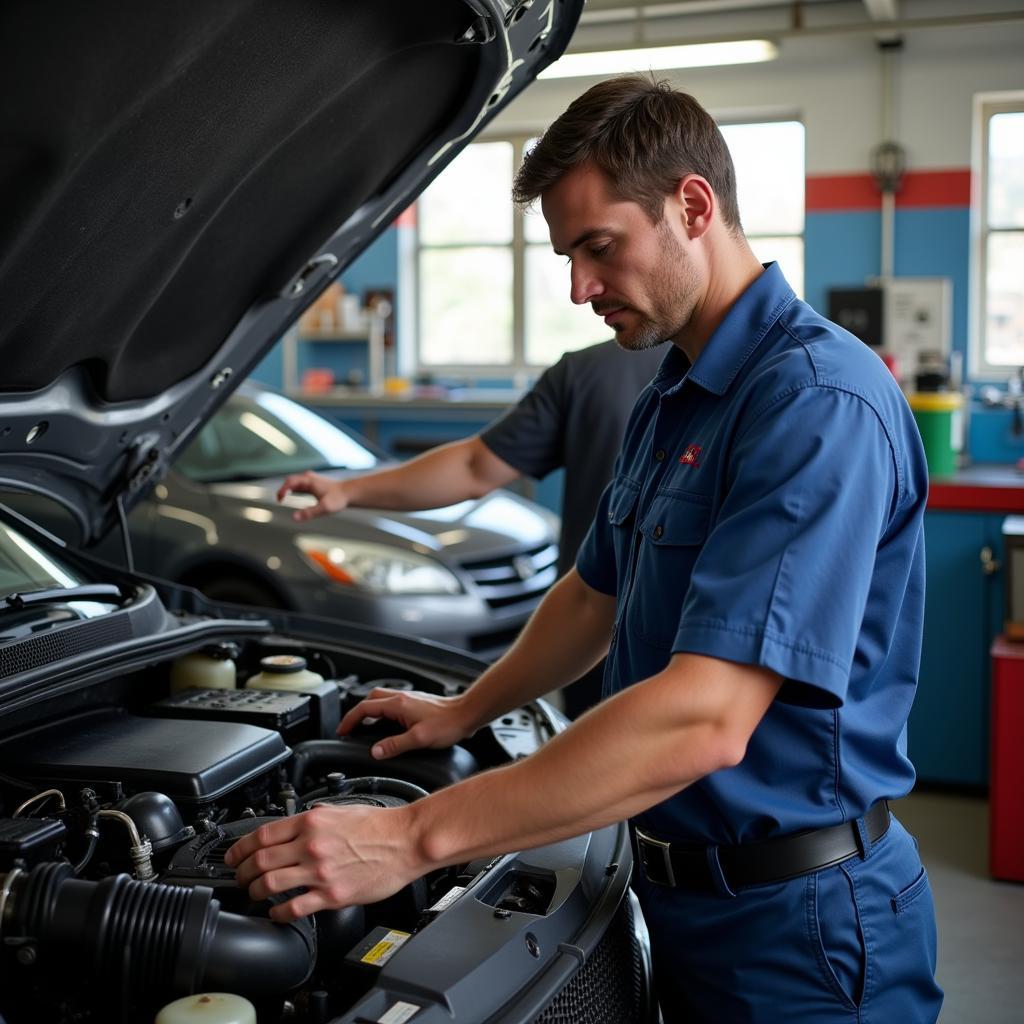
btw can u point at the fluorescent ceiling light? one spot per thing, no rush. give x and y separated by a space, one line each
694 55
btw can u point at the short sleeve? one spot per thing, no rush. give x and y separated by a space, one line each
596 560
529 437
783 578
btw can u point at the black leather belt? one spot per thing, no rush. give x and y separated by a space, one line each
717 868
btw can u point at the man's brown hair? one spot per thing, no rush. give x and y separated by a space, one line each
644 135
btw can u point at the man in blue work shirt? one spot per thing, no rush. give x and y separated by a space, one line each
755 574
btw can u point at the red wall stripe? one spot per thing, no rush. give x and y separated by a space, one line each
407 218
859 192
936 188
972 498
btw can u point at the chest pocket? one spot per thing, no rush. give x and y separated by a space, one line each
622 500
674 530
621 509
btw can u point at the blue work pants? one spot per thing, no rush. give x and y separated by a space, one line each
854 943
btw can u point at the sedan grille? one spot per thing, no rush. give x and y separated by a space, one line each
515 578
611 986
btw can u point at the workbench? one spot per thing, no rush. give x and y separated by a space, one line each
948 733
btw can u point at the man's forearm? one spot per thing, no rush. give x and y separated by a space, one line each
626 755
547 654
442 476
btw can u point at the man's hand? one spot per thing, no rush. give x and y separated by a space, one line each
341 855
330 494
429 721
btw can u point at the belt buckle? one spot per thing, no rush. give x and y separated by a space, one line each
658 854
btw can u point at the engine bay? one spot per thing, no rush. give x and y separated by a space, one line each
119 801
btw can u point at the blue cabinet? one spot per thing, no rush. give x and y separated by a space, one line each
948 728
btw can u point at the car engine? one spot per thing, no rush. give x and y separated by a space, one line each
117 804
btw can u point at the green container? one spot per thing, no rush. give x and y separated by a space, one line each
939 416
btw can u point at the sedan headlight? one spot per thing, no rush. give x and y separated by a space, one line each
378 568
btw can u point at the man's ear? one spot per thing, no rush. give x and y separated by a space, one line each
697 205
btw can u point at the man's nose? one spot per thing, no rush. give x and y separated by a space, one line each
585 286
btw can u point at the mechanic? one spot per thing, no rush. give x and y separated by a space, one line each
573 419
755 572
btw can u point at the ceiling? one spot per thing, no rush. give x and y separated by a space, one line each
612 23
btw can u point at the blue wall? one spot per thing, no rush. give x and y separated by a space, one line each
844 248
375 268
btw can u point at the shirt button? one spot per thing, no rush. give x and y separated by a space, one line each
660 454
658 531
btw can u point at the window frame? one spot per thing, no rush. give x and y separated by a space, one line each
780 117
986 106
518 368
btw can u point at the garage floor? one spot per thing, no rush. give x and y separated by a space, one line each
981 922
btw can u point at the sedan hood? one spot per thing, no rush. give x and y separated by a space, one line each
483 526
172 175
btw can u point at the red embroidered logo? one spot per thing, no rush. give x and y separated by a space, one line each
691 455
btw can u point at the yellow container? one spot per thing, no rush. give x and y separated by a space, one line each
939 417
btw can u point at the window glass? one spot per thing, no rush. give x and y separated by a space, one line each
535 227
271 436
769 161
469 201
997 343
25 567
1006 170
788 252
1004 308
466 306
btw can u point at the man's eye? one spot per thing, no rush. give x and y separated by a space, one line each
599 251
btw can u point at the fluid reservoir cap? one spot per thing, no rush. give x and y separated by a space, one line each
208 1008
282 664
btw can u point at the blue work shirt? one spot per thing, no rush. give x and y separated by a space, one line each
767 509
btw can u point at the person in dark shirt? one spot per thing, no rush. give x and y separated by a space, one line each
573 418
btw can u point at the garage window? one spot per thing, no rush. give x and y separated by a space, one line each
998 218
493 299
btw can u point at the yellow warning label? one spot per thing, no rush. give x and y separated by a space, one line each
384 950
380 950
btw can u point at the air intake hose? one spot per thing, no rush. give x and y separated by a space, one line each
431 769
155 938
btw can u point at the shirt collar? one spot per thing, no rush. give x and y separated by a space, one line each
751 317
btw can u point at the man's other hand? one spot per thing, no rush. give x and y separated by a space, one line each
330 494
429 721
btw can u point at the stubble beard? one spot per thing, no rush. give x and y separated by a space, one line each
674 291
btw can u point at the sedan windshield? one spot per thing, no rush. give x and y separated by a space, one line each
25 567
267 435
38 591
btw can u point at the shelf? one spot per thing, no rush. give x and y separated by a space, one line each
362 335
372 335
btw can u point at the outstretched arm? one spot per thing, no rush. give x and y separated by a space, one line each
442 476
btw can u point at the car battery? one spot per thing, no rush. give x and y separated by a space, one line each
1006 783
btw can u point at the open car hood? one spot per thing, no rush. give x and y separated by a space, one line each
171 175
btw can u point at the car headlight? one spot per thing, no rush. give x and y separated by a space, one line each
378 568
